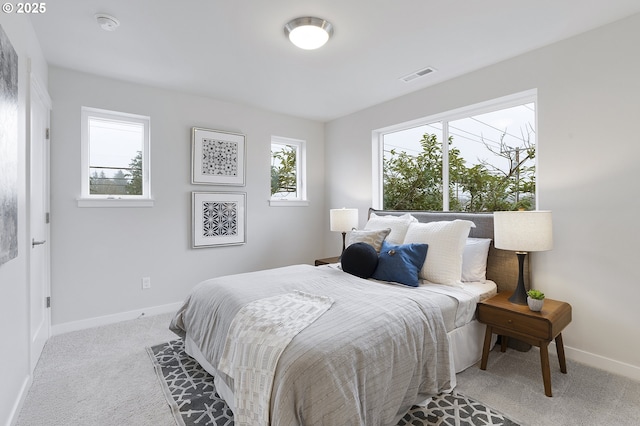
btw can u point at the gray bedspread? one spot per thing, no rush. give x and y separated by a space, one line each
379 349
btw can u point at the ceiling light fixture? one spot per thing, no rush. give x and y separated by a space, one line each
107 22
308 32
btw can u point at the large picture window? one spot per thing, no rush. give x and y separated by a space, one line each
481 158
115 156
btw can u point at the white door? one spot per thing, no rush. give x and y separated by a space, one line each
39 286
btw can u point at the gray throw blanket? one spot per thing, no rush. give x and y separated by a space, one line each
379 349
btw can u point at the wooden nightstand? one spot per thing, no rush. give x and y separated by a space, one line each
327 260
536 328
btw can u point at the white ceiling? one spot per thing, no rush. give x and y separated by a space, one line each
235 50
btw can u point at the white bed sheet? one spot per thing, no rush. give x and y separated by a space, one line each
458 304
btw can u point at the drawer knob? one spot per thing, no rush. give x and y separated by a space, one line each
509 321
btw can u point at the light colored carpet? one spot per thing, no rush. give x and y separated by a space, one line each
512 384
103 376
100 376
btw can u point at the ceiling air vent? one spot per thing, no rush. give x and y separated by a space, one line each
417 74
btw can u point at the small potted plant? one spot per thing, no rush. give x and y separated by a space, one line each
535 299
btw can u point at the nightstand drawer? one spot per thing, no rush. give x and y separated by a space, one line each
534 327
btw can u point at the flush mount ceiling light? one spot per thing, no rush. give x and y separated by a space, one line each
107 22
308 32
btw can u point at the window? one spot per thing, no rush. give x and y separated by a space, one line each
115 159
487 163
288 174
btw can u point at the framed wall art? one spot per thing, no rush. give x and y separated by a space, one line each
8 150
218 219
217 158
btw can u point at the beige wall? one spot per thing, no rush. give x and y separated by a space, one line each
588 148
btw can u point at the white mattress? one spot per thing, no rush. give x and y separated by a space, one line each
484 290
458 304
466 336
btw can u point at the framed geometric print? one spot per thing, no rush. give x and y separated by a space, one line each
217 158
218 219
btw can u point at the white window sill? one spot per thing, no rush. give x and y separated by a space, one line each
114 202
288 203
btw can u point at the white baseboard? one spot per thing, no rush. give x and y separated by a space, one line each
67 327
590 359
599 362
19 402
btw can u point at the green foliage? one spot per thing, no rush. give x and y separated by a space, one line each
415 182
283 170
134 186
121 183
535 294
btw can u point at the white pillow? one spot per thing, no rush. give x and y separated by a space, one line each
474 259
446 240
374 237
397 224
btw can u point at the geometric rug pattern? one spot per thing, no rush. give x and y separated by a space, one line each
193 399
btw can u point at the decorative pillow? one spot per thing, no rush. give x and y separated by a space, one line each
474 259
397 224
400 263
446 241
359 259
373 238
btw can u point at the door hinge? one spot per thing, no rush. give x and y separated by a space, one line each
48 301
47 217
46 134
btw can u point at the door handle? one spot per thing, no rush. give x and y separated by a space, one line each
37 243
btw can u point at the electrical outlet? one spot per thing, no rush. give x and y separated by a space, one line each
146 283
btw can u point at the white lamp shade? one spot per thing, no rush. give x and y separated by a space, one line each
524 231
343 220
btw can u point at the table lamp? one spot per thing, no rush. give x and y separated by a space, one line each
522 232
343 220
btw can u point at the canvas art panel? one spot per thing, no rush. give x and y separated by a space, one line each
218 157
8 149
218 219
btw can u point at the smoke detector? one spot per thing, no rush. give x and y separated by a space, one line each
107 22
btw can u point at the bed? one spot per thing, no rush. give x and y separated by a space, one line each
349 350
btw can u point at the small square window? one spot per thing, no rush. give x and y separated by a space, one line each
288 172
115 157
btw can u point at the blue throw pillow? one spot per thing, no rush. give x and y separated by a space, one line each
401 263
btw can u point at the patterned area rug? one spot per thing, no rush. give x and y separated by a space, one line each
193 399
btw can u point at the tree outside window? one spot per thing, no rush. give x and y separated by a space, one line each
490 167
283 171
124 181
115 155
288 174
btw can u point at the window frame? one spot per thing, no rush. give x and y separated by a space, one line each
377 138
301 172
87 199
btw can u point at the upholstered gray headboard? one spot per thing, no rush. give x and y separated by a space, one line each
502 265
